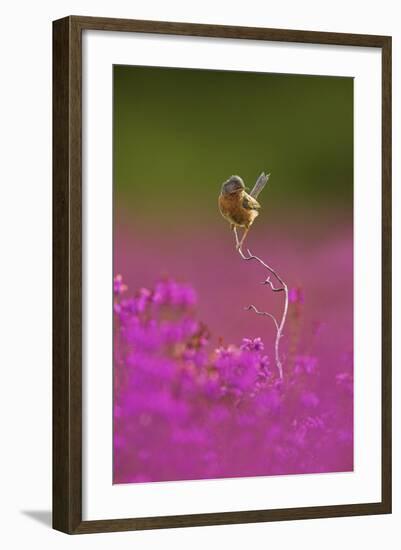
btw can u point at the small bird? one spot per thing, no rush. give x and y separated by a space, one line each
239 207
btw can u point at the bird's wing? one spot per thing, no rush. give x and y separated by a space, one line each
250 203
260 183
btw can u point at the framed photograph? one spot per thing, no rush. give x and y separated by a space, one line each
222 274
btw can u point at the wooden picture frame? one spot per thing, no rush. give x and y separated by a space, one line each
67 274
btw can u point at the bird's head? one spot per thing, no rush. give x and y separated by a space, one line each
232 185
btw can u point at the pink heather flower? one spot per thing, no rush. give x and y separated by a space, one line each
296 295
118 286
171 293
265 362
143 336
178 331
196 356
126 309
161 294
268 401
264 368
130 308
142 300
249 344
224 353
222 412
203 341
188 296
305 364
238 368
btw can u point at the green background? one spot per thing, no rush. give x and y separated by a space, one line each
179 133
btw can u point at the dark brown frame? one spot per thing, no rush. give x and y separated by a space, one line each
67 274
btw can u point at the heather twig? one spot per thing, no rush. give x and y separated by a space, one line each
282 288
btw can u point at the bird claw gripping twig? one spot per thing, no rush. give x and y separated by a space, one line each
283 288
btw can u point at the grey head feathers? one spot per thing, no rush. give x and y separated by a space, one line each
232 185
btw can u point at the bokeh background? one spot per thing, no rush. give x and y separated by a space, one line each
178 134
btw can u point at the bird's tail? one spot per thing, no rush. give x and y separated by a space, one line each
260 183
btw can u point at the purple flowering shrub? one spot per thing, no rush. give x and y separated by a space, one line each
187 409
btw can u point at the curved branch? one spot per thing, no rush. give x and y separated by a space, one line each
283 288
253 308
274 289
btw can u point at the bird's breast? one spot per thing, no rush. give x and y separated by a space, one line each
232 209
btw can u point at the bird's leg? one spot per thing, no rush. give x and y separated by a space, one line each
245 233
234 228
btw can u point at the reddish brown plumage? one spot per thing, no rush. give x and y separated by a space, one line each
239 208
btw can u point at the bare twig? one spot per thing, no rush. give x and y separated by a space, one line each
274 289
253 308
283 288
